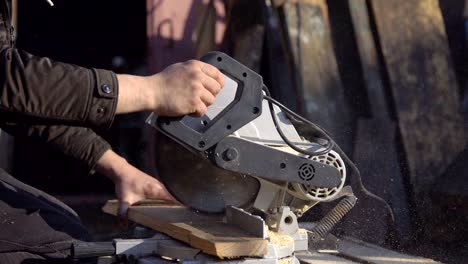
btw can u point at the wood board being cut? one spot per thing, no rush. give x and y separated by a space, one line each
206 232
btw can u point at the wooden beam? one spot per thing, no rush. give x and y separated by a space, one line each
279 80
202 231
245 32
249 46
423 85
314 68
204 33
380 170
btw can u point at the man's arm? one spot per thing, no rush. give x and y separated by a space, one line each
93 152
79 143
131 184
38 90
182 88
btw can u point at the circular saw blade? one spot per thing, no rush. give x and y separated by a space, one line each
199 184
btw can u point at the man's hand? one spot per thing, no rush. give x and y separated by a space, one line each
181 89
186 88
131 184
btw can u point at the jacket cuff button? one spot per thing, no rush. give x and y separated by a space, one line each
106 89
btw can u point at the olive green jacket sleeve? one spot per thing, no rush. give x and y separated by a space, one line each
53 102
56 103
80 143
38 90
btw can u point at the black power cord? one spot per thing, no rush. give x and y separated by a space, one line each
330 143
329 146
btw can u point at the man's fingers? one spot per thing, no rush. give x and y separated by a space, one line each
200 111
211 85
122 212
213 72
207 98
158 191
166 196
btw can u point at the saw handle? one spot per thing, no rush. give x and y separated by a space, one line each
246 106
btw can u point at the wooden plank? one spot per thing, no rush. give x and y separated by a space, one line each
246 32
279 79
380 169
248 47
368 253
454 14
203 231
315 70
369 59
204 35
416 54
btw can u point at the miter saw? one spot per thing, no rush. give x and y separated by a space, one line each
246 153
245 159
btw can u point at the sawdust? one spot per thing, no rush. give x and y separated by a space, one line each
280 240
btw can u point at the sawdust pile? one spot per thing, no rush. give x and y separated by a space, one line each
280 240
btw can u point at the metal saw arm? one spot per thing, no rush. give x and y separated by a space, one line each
246 157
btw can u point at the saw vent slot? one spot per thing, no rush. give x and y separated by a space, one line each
306 172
